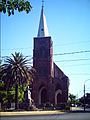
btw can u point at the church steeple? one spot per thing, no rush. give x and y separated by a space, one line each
43 30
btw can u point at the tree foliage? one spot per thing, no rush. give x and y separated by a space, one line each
8 96
3 93
9 6
16 72
72 99
87 99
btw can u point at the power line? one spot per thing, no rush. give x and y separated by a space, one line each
77 74
3 57
73 60
72 43
68 53
54 45
77 52
77 65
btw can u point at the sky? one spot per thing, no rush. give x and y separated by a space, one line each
68 24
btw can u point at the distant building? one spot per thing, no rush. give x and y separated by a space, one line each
50 84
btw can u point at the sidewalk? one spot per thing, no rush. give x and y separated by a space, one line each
31 113
79 109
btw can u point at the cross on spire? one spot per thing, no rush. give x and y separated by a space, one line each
42 3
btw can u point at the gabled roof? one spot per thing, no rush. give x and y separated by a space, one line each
43 30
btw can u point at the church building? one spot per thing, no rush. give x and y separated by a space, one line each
50 84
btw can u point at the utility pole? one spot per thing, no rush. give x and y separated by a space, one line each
0 38
84 95
84 98
0 33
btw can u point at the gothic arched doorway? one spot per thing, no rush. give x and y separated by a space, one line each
42 95
58 97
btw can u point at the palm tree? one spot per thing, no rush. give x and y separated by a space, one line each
16 71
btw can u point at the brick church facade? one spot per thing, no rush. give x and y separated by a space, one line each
50 84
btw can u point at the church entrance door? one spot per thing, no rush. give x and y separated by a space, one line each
42 96
58 97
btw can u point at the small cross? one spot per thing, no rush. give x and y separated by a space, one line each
42 3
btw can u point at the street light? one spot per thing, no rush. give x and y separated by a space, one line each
84 93
0 36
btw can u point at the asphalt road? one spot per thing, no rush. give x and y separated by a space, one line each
65 116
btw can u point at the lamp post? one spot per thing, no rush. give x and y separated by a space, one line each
84 94
0 37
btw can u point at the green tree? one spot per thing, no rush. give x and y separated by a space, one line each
9 6
72 99
3 94
8 96
16 71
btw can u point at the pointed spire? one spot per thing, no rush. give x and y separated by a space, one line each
43 30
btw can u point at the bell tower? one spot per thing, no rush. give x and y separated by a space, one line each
42 61
50 84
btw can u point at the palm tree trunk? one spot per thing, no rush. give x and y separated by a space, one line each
16 97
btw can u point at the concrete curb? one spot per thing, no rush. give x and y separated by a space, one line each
30 113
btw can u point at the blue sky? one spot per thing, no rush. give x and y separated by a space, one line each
69 26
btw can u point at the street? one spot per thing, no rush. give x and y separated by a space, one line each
65 116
